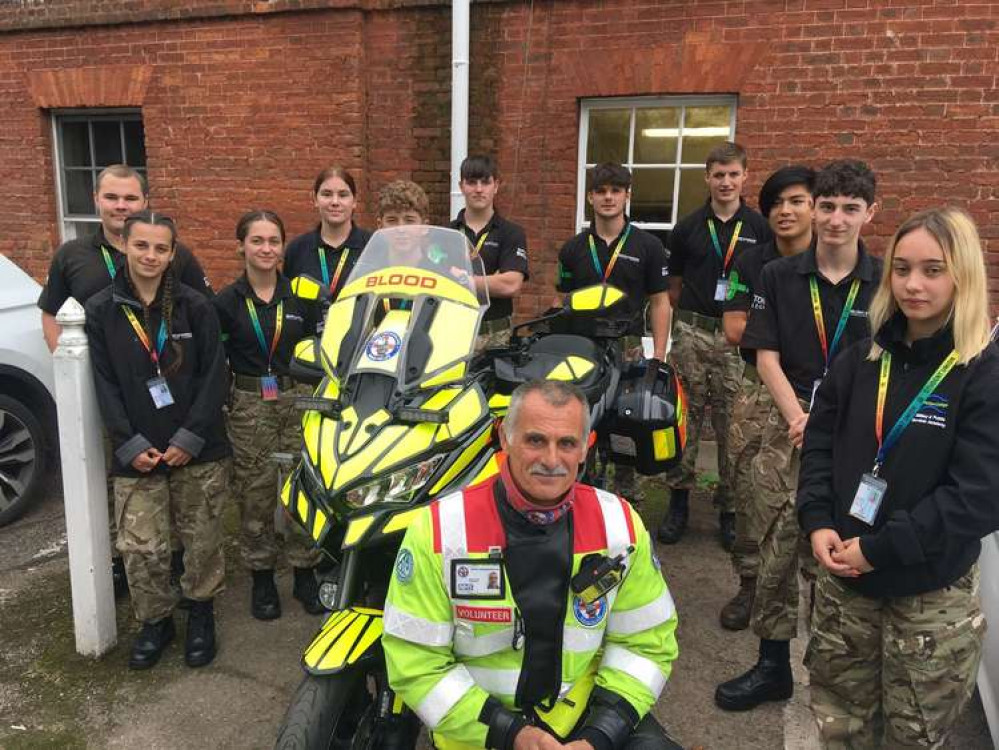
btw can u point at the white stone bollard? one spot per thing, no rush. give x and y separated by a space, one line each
84 486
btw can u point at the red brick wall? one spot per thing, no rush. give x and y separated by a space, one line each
245 101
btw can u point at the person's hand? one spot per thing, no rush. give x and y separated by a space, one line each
175 456
852 555
147 460
825 544
796 429
532 738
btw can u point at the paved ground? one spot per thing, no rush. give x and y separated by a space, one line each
52 698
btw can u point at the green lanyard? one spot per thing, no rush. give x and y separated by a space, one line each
278 325
613 259
108 262
726 259
829 349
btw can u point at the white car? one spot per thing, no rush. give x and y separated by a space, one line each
28 434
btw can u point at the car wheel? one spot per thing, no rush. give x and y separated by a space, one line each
23 457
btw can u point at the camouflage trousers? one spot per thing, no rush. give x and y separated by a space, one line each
493 334
752 409
258 428
772 519
189 499
894 672
711 370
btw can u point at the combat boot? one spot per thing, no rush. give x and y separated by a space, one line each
769 680
118 578
735 614
306 590
149 644
264 601
726 530
675 523
199 648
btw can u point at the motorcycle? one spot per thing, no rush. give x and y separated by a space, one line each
400 415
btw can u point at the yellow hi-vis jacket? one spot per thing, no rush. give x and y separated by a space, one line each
447 652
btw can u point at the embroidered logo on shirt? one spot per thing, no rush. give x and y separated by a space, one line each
589 615
404 566
858 313
933 412
759 302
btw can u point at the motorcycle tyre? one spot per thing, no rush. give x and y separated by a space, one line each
316 710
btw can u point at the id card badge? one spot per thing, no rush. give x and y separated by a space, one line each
815 389
160 392
477 579
269 388
721 290
867 501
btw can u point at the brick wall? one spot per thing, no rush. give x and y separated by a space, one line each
244 101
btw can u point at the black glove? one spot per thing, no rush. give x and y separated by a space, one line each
503 724
610 721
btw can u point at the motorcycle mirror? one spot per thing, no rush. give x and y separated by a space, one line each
307 288
593 299
306 365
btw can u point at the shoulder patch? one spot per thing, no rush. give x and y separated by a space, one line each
589 615
404 566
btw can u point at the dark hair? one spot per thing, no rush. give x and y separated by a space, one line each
122 172
848 177
166 300
261 214
335 171
608 173
479 168
781 180
725 152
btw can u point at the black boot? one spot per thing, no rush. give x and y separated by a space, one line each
119 579
726 530
264 601
672 527
306 590
769 680
199 649
735 615
149 644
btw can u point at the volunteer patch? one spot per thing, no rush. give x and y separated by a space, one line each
484 614
404 566
589 615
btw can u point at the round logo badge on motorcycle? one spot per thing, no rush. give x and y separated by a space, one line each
589 615
404 566
384 346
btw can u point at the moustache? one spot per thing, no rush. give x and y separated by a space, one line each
544 471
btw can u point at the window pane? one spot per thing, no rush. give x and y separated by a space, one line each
608 136
107 142
656 134
693 191
75 144
135 143
83 229
80 192
704 128
652 195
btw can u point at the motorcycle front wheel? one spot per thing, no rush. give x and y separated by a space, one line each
324 713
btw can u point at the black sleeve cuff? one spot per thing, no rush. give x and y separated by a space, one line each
132 448
188 441
504 724
609 722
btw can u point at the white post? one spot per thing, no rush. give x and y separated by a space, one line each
460 23
84 487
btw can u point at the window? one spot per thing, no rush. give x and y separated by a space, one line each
664 142
85 143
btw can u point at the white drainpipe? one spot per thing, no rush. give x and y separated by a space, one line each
460 21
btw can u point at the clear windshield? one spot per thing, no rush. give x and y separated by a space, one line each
444 252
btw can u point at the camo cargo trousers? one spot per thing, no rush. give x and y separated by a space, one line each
895 672
258 428
750 413
189 499
772 519
711 370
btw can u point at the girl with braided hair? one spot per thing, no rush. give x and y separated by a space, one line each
159 370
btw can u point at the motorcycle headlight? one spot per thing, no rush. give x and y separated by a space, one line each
396 487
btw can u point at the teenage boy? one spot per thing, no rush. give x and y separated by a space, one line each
810 308
500 244
703 246
616 252
786 201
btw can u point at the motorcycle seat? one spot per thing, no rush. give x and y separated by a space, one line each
565 357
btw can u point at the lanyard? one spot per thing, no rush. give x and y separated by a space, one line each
613 259
108 262
886 443
278 324
727 258
479 244
829 349
326 270
154 354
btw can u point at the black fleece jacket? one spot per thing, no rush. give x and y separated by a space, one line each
942 474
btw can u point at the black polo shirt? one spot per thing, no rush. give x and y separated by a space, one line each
302 256
782 319
78 270
242 346
743 280
504 248
642 268
693 257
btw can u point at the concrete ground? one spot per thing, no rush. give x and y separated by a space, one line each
52 698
